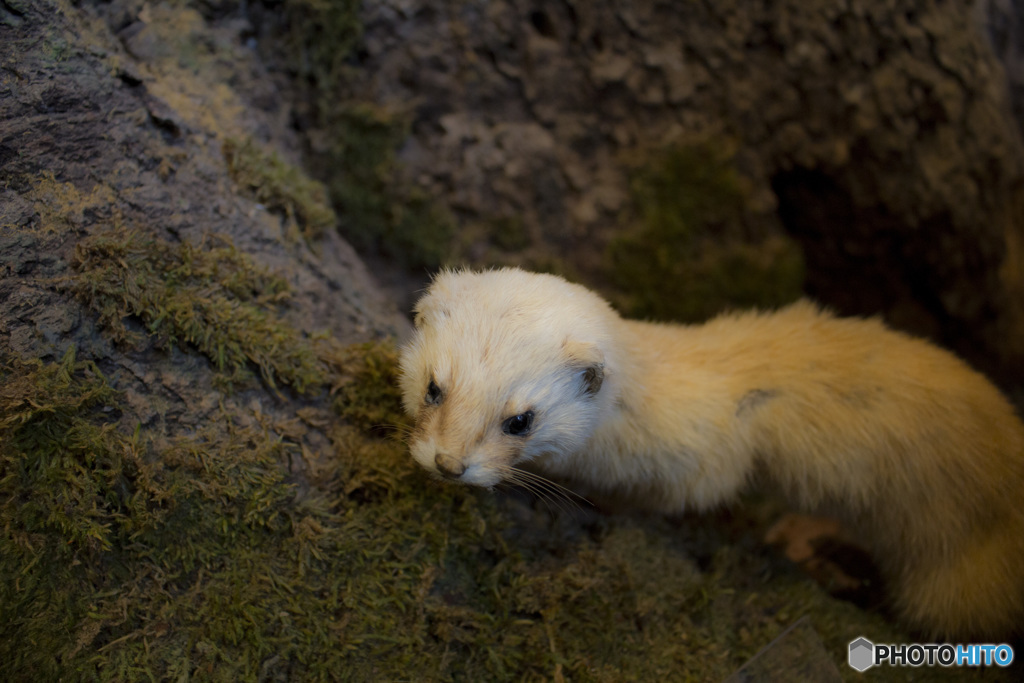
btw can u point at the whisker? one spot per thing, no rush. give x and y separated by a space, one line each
398 427
398 431
561 493
557 499
511 475
550 501
554 486
565 499
540 495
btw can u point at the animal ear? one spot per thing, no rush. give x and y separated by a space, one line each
588 359
593 378
427 308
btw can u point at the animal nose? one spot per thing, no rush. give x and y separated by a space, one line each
449 466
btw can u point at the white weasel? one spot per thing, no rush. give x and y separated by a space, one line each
900 439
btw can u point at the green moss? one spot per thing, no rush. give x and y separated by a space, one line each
211 297
69 483
279 186
71 488
60 207
211 586
319 38
203 560
509 233
121 563
58 49
378 212
684 257
366 392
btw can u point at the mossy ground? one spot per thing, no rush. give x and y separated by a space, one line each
379 213
240 550
209 296
279 186
685 256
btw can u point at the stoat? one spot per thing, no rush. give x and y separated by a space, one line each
902 440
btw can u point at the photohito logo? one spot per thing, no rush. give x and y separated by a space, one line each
864 654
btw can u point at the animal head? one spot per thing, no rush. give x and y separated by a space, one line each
505 366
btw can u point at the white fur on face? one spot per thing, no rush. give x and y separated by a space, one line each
497 347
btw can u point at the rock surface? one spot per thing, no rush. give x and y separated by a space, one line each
115 116
879 134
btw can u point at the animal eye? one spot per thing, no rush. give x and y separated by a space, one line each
433 393
518 425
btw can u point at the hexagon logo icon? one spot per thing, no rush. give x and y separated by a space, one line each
862 654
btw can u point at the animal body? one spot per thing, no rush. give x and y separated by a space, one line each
915 451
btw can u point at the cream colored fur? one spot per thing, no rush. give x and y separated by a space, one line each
902 440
